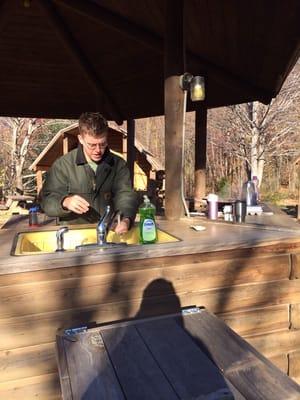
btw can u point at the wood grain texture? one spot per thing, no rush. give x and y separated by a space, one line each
62 366
251 373
281 361
249 288
139 374
27 362
90 370
182 360
295 316
295 262
283 341
47 296
42 326
294 365
45 387
258 320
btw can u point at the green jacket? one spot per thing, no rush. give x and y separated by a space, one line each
71 174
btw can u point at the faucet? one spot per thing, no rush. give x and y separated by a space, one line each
60 238
102 227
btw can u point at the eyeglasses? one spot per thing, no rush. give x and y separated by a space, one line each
93 146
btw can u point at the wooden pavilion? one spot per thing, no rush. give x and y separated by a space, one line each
125 59
62 57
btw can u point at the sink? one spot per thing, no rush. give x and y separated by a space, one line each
41 242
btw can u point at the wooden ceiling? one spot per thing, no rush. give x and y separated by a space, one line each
62 57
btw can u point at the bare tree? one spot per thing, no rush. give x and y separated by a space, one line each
22 139
255 133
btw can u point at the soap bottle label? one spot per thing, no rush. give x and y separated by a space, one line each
148 230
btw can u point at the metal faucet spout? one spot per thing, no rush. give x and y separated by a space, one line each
60 238
102 227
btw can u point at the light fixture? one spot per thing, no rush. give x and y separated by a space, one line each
194 84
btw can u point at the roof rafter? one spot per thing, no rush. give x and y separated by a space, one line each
74 49
141 35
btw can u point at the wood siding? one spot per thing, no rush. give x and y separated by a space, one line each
256 293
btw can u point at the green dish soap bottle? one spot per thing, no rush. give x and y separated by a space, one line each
148 231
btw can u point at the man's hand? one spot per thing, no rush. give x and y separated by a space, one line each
122 226
76 203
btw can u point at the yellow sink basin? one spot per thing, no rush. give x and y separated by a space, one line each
39 242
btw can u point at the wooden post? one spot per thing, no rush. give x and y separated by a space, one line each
39 180
200 153
130 147
298 205
65 145
174 108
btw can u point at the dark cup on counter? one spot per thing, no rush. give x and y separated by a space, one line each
240 211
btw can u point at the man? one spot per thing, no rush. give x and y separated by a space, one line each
80 184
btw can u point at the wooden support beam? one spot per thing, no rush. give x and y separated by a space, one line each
103 16
3 14
130 147
298 205
174 108
78 55
39 180
124 147
65 145
200 153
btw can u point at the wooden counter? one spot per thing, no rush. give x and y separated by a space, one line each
246 274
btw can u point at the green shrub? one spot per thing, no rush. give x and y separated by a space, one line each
223 187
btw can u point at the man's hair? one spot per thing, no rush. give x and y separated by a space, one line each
92 123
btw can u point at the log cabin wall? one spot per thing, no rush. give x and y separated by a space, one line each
256 291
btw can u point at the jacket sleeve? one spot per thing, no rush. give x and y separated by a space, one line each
124 197
54 190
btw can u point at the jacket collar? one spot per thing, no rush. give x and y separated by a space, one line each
107 157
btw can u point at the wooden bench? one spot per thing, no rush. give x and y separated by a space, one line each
192 355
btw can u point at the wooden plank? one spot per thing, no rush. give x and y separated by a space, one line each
39 181
89 290
281 361
65 145
258 320
295 316
294 364
91 373
251 373
27 362
41 327
64 378
138 373
237 395
295 263
44 387
130 147
182 360
256 268
40 359
276 342
263 382
200 152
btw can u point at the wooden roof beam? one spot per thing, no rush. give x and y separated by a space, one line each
101 15
3 14
78 55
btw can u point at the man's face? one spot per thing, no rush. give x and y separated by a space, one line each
93 147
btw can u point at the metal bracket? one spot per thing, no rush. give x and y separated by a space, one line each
191 310
75 331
